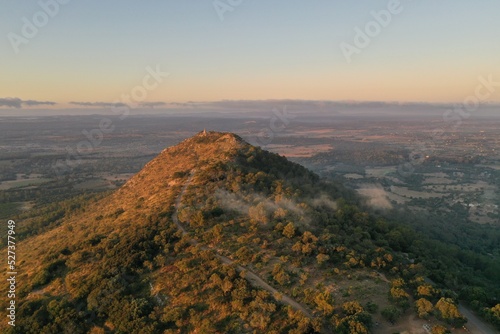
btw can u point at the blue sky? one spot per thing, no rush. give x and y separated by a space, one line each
98 50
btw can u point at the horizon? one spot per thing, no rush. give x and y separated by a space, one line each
239 108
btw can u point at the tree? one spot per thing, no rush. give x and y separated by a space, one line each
244 254
493 315
279 227
449 311
398 294
321 258
352 308
495 310
289 231
197 219
307 244
425 290
279 213
226 285
438 329
424 307
259 321
217 233
324 302
356 327
258 213
308 237
280 275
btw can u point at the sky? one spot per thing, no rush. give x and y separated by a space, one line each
97 52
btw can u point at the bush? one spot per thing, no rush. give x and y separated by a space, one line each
391 314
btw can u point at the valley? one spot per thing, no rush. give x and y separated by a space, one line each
443 201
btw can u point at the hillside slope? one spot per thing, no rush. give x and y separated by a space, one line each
217 236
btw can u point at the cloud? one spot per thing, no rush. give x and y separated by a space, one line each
117 104
11 102
243 204
232 201
152 104
324 201
99 104
38 103
14 102
376 196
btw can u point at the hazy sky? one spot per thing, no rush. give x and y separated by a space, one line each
95 51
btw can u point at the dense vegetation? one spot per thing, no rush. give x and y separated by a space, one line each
121 265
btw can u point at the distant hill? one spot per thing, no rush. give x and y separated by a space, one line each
215 235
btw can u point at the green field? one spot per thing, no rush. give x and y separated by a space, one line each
22 183
8 210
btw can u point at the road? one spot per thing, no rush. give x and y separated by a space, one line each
475 325
252 277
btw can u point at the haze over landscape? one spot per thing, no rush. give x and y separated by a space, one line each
233 166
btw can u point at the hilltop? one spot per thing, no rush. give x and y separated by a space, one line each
215 235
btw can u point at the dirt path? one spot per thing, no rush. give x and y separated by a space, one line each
175 216
253 278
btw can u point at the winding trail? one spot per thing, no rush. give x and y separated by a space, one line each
175 216
253 278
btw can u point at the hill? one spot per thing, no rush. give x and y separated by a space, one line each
217 236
